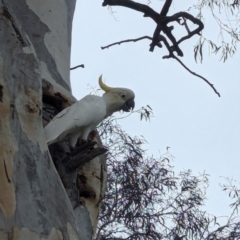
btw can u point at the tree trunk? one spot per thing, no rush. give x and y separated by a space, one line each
35 40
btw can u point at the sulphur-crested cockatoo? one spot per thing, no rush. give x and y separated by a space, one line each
83 116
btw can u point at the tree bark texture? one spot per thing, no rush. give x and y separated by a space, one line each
35 44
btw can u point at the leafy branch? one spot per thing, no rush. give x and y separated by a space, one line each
226 15
147 200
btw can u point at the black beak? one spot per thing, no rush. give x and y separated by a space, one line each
128 105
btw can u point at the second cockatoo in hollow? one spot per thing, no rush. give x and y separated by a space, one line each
83 116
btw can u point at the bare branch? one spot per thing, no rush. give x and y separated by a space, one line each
124 41
161 20
78 66
157 30
171 55
166 7
155 38
186 26
197 75
173 40
148 12
82 155
193 20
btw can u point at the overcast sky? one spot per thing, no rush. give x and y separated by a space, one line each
201 129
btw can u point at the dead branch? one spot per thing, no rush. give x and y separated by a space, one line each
128 40
197 75
148 12
82 155
193 20
185 25
166 7
156 34
160 39
78 66
162 20
67 164
158 29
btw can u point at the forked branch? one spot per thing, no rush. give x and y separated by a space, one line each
162 21
148 12
171 55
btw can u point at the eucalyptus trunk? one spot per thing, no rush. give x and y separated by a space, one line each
35 45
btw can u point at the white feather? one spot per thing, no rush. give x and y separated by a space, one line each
83 116
77 120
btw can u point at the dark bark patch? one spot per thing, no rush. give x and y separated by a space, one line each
10 234
12 107
83 179
6 172
58 94
53 104
48 159
1 93
30 109
7 15
87 194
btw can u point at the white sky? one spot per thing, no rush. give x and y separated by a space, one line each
202 129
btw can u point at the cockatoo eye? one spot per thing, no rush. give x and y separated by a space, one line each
123 96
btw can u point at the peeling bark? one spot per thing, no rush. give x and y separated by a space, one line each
33 201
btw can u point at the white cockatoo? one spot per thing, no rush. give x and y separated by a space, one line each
83 116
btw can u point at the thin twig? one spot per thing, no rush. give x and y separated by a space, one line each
186 26
124 41
78 66
190 18
148 12
197 75
171 55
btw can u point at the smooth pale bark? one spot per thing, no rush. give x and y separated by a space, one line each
35 40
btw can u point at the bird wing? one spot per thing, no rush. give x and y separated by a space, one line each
87 112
